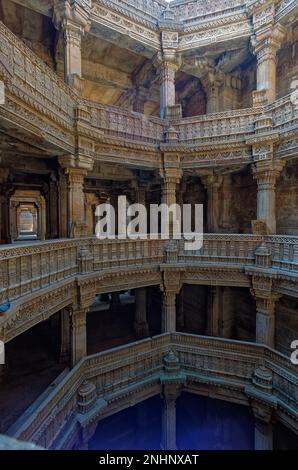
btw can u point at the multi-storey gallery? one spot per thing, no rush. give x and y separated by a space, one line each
139 343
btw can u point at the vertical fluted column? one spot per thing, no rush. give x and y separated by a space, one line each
167 85
73 19
169 311
171 393
266 299
76 171
266 173
78 335
171 178
266 42
265 320
140 324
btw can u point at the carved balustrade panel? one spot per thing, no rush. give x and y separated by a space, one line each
119 123
34 82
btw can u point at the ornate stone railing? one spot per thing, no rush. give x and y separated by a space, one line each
117 373
236 125
30 267
41 100
119 123
190 10
226 126
284 252
27 268
34 82
225 248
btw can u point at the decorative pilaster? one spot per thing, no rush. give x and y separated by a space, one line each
266 171
73 18
266 300
78 335
141 327
266 42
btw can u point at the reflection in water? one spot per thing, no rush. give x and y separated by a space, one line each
202 424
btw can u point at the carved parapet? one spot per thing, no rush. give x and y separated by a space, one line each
171 251
85 258
172 377
86 397
263 256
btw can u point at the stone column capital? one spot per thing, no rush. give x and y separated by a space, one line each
267 41
171 175
267 171
171 282
78 162
72 16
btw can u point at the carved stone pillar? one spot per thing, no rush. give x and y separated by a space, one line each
73 19
76 171
141 327
266 42
171 393
65 335
78 335
212 184
266 300
266 173
171 178
167 85
4 206
168 64
170 288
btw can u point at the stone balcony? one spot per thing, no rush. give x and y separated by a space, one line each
38 279
52 112
114 378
